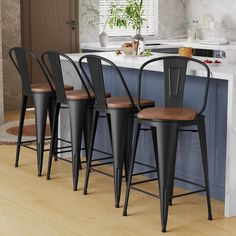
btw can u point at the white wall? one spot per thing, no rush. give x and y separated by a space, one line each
221 10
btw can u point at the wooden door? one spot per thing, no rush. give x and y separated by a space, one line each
49 25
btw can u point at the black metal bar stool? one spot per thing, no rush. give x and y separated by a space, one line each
78 101
168 121
119 111
43 95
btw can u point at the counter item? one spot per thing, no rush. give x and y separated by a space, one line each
103 38
186 52
229 55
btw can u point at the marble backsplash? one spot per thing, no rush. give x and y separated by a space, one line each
221 11
11 37
88 23
168 26
171 18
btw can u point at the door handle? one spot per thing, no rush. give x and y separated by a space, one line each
72 23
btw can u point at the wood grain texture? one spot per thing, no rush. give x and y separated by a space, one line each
45 27
30 205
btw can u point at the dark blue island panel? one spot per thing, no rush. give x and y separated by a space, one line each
188 165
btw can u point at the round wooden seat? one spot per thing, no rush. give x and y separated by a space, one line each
167 113
41 88
77 95
124 102
45 87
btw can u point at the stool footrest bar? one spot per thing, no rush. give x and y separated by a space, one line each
189 193
144 164
144 181
145 172
190 182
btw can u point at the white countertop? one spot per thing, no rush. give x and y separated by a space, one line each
112 46
223 71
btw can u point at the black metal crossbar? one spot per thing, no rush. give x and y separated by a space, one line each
144 164
189 193
144 181
145 192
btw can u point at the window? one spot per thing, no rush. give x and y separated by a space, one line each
149 26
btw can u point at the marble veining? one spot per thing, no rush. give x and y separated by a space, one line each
89 32
168 26
11 37
171 18
222 11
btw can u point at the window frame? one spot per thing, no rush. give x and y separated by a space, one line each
155 26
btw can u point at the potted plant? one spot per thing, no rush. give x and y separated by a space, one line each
130 15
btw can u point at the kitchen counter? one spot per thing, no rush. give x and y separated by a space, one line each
224 71
159 44
114 46
220 116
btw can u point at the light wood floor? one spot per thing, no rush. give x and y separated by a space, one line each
30 205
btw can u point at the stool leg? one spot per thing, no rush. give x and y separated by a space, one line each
77 122
119 127
154 141
53 144
136 132
202 138
20 129
166 146
90 150
109 126
41 105
128 152
88 129
172 180
51 112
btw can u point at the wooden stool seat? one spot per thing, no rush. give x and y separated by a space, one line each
81 94
41 88
124 102
167 113
45 88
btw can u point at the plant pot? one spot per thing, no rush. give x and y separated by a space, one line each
103 38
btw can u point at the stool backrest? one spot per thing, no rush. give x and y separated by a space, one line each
95 67
52 62
175 72
21 58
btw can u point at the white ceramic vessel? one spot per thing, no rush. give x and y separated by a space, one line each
103 38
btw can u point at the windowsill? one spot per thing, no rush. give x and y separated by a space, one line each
129 38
